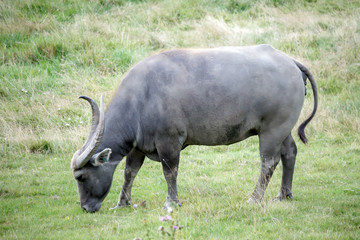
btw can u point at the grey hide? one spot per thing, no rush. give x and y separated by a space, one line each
187 97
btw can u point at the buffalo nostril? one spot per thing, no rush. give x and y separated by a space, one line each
85 208
88 209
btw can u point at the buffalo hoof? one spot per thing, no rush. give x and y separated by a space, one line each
252 200
281 196
121 204
113 208
169 206
124 203
118 206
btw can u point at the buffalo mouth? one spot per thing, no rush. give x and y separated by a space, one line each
91 208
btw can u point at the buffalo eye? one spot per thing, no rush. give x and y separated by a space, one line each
80 178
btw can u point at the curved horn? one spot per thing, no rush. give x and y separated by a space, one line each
95 119
82 156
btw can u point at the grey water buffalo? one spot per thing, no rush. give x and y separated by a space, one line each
187 97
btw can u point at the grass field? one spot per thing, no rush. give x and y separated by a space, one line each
53 51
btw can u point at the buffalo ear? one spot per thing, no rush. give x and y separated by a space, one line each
101 157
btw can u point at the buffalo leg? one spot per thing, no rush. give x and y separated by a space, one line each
134 162
169 157
288 156
270 157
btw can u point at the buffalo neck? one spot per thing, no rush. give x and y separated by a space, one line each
120 128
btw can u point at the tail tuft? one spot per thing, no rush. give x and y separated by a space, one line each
301 133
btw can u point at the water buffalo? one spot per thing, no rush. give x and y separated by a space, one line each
187 97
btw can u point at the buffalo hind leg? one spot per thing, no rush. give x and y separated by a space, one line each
134 161
288 156
169 156
270 157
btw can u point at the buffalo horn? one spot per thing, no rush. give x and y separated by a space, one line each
82 156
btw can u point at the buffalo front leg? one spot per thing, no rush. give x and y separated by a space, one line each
134 161
169 158
288 157
270 157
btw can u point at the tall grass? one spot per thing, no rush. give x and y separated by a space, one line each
53 51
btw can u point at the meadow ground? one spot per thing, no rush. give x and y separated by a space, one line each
51 52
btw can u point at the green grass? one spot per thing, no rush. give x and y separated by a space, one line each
51 52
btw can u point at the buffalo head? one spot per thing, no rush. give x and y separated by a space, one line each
92 170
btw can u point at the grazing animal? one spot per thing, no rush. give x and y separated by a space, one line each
187 97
